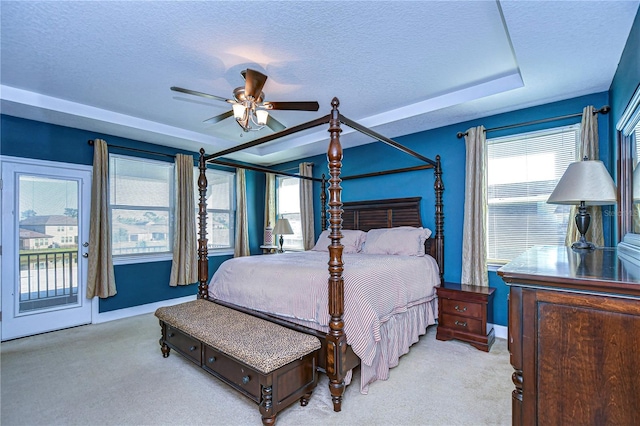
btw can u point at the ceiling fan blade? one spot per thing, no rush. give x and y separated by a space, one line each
300 106
254 82
204 95
274 124
218 118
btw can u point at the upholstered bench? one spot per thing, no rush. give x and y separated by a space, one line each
273 365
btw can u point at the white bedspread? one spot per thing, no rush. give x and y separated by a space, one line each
377 288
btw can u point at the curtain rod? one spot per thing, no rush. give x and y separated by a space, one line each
604 110
91 142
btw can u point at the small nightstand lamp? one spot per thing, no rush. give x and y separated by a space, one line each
283 227
584 183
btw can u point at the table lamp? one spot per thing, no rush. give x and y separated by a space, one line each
584 183
283 227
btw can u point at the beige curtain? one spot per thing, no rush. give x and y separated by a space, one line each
306 206
588 148
242 228
474 247
270 200
184 269
101 280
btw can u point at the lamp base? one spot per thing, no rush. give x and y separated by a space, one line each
583 218
583 245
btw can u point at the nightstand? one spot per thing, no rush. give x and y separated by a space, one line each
462 314
269 249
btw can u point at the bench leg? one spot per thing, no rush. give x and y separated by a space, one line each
304 399
164 348
266 406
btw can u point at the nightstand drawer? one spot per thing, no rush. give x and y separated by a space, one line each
462 308
460 323
185 344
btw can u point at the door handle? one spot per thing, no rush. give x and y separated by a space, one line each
85 254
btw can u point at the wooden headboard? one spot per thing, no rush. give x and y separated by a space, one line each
366 215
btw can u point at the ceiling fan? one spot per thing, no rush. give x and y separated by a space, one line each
248 106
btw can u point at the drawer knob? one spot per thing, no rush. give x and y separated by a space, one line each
192 348
461 324
212 360
171 334
246 380
457 308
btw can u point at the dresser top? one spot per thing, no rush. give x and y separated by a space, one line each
599 270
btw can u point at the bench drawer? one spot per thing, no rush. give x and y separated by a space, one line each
241 377
188 346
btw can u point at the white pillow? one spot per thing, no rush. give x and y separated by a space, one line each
403 240
352 241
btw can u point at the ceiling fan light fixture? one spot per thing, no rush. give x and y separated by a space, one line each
249 110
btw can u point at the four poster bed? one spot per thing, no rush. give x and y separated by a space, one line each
378 300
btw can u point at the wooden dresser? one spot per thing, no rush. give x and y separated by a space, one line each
574 337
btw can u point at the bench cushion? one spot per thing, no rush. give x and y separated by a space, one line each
258 343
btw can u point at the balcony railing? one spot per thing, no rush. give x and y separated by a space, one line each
48 278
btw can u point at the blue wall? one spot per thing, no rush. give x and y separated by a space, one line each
148 282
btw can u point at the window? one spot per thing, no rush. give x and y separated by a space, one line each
141 206
221 208
523 170
288 207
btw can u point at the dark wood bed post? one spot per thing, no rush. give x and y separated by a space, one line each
323 203
336 339
439 188
203 261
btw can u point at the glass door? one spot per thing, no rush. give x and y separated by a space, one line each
45 240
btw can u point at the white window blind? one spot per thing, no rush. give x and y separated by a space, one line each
523 170
635 140
288 207
221 208
141 206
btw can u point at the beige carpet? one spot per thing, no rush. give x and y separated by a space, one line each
114 374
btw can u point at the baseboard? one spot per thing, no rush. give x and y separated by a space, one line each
500 330
138 310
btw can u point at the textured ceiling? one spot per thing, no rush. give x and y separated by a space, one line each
400 67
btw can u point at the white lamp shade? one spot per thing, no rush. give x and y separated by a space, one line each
587 181
283 227
238 111
262 116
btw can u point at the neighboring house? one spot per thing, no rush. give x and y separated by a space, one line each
138 238
32 240
63 230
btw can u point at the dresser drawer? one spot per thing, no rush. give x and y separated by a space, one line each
185 344
462 308
460 323
239 376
